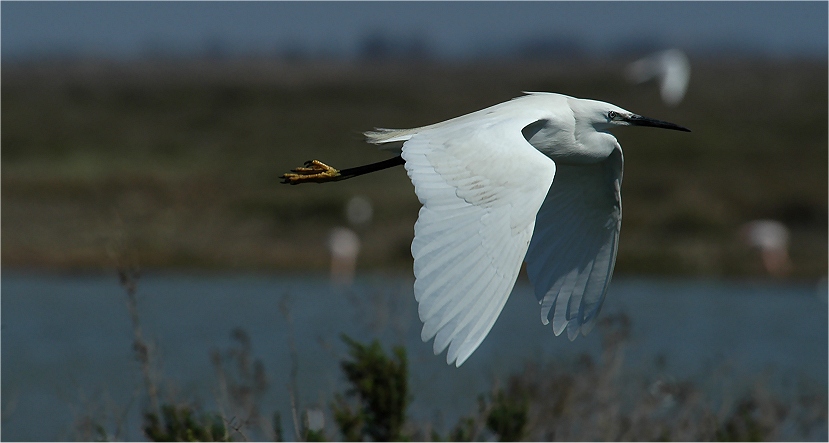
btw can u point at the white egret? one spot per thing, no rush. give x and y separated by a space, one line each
670 68
771 237
484 180
344 245
344 242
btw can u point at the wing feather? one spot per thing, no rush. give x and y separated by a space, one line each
481 186
481 326
571 257
455 308
456 324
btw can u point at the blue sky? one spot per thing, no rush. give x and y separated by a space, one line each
449 29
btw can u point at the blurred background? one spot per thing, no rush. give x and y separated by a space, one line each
146 140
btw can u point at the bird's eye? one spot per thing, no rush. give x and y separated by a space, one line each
612 115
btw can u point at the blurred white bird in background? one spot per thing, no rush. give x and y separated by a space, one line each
344 245
484 180
771 237
344 242
670 68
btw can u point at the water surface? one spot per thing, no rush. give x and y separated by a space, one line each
66 340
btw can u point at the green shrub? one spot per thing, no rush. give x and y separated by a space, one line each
380 385
180 423
507 416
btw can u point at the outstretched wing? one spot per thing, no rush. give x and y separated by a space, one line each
481 185
573 250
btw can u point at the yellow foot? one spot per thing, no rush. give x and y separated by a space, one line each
314 171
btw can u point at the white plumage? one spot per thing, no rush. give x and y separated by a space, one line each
537 178
484 180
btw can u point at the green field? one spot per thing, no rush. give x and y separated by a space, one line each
177 163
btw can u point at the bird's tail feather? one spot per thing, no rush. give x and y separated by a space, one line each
380 136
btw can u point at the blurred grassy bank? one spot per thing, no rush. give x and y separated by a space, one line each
179 161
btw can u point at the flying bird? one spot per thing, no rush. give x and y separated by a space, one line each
670 68
533 179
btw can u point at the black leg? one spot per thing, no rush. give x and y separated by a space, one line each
316 171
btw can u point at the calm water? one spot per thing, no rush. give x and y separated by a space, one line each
66 340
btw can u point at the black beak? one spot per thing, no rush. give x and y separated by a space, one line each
638 120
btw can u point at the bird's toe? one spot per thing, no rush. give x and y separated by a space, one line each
313 171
